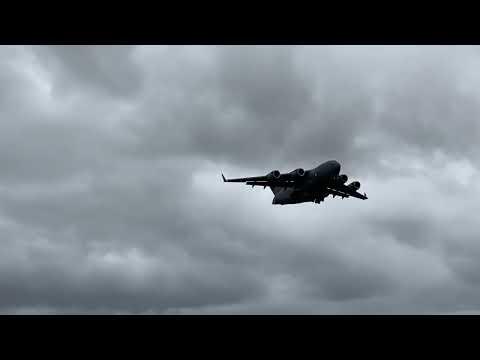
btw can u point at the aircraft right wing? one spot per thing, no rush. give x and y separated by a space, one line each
342 190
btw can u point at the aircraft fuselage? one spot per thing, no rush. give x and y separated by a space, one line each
311 188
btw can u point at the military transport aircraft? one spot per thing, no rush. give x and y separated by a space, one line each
302 185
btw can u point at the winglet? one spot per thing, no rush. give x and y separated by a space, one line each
223 177
365 194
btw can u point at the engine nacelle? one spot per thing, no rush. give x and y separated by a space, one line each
355 185
298 172
342 178
275 174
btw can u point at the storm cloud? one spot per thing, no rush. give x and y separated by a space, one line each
111 199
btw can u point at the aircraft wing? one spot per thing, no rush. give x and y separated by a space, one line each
263 181
342 190
254 178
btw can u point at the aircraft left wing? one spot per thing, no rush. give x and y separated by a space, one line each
262 181
338 189
254 178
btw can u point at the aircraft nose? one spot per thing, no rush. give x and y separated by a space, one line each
336 166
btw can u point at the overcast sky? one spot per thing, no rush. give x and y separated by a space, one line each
111 199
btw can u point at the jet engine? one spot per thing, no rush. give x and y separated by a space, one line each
275 174
355 185
298 172
342 178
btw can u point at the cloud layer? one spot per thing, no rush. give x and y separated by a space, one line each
111 200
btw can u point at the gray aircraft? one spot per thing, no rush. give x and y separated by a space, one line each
302 185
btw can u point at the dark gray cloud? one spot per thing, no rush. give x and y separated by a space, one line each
111 201
110 69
